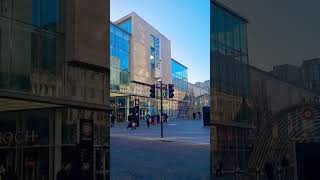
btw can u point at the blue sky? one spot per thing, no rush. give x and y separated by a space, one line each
185 22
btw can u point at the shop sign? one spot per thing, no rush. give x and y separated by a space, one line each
307 113
18 137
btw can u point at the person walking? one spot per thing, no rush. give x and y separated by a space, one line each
147 119
268 168
219 168
165 117
194 115
130 119
66 172
113 118
158 118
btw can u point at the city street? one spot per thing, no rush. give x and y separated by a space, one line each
177 130
139 153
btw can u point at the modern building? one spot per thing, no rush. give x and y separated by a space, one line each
307 75
53 79
136 47
229 88
310 70
289 73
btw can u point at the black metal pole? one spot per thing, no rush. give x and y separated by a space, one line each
161 108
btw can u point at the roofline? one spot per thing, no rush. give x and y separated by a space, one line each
229 10
179 63
120 28
130 15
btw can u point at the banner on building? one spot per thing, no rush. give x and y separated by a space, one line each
158 61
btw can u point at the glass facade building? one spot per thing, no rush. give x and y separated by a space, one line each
229 87
179 76
49 84
119 57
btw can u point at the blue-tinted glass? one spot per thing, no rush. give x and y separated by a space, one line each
126 25
179 76
230 58
120 57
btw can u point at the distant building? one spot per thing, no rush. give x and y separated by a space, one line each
310 70
307 75
289 73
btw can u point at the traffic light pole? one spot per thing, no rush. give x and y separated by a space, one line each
161 109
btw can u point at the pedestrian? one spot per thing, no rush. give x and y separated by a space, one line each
130 119
11 174
268 168
165 117
219 168
66 172
194 115
147 119
199 115
2 172
158 118
152 119
113 118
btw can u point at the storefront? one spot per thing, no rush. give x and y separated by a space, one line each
35 143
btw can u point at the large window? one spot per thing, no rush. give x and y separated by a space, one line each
229 52
126 25
45 14
120 57
179 76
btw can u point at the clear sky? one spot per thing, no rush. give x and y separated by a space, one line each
186 23
280 31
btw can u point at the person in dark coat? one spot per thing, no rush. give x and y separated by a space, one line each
66 172
194 115
113 118
130 119
11 174
158 118
268 168
147 119
165 117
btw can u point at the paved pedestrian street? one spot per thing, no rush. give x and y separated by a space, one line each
140 154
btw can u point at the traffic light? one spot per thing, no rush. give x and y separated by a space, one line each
153 91
171 90
165 92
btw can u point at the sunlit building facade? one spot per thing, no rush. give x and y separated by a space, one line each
133 69
229 87
52 78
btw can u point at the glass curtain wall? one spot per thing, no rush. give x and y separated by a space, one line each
32 46
120 57
230 87
179 76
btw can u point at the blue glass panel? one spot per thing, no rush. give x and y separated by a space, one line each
126 25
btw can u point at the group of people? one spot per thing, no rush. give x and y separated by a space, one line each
195 115
133 121
150 119
7 174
